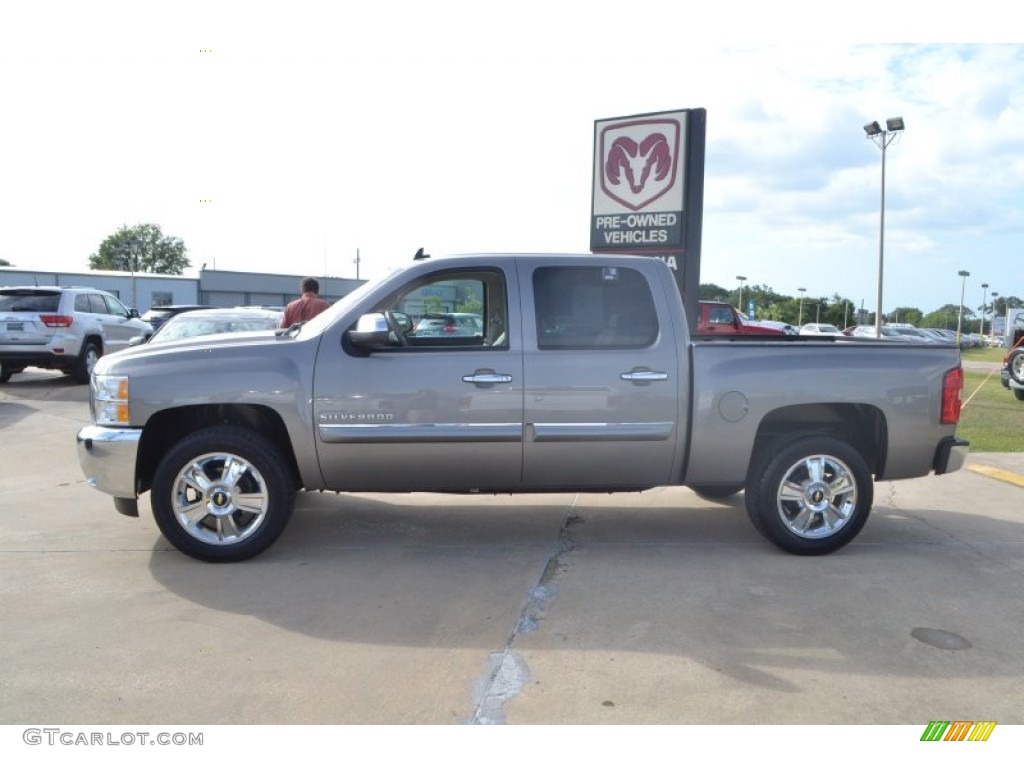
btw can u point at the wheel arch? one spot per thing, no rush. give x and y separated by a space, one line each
93 337
169 426
861 426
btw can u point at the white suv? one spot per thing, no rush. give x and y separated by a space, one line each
62 328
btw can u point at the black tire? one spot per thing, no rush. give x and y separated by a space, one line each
1015 364
5 372
716 492
86 362
1018 393
811 496
228 531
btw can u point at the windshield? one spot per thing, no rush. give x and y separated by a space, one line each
186 327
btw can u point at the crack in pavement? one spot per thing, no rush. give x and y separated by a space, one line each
507 672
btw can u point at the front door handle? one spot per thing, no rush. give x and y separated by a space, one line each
488 377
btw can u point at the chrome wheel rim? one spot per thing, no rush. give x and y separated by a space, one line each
817 497
91 357
220 499
1017 367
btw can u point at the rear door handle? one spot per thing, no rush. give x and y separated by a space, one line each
643 376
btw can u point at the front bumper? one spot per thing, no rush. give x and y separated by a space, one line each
951 455
108 457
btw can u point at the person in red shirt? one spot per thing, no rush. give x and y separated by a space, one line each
307 306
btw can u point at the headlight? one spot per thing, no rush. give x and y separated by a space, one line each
110 400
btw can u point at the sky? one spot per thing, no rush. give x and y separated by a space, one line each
287 137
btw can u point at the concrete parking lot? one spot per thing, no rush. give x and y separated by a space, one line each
652 608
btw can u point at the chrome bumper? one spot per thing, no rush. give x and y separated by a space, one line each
108 457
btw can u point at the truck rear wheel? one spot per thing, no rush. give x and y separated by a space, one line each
223 494
810 497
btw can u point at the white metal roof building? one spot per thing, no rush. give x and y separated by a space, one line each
218 288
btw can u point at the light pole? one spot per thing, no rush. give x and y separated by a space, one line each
133 247
964 274
992 330
742 280
883 138
800 322
984 298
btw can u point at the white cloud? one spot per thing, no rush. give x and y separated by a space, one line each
319 128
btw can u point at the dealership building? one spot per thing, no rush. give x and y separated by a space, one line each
218 288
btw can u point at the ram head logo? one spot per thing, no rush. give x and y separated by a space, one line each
639 161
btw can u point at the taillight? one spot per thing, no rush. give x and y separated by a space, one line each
952 387
56 321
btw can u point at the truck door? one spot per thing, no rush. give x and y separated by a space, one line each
602 377
440 407
718 319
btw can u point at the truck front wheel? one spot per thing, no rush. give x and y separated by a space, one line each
810 497
222 494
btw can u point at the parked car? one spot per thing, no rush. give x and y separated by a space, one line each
950 337
1012 373
157 316
870 332
450 324
209 322
819 329
65 329
786 328
716 318
916 334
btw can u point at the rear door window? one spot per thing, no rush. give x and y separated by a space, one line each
593 307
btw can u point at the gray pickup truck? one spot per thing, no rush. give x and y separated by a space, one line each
580 376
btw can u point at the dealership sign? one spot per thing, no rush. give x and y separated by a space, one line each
639 183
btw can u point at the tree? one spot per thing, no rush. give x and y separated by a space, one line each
713 292
911 315
153 252
5 263
943 317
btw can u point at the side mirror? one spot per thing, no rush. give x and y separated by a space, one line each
132 312
371 331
